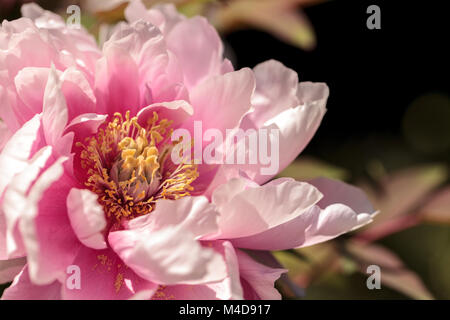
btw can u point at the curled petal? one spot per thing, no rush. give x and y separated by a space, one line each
18 150
86 218
276 91
176 111
15 200
296 127
342 209
168 256
193 214
258 279
255 210
49 240
31 83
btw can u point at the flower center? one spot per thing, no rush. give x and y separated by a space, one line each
129 166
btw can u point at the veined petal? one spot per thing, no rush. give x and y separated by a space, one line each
342 209
87 218
168 256
255 210
177 111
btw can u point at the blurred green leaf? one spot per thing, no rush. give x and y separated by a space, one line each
426 124
403 190
438 208
426 250
278 17
307 168
393 272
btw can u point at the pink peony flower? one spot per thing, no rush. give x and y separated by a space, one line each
88 184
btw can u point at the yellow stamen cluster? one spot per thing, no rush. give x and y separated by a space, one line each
129 167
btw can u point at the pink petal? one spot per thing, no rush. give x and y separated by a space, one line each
3 249
164 16
71 46
221 102
227 66
224 174
260 278
276 91
81 127
316 225
78 93
5 135
85 125
301 121
18 150
49 240
26 47
258 209
285 236
30 84
193 214
116 83
42 18
176 111
229 288
185 292
105 277
198 48
296 127
133 69
87 218
43 43
10 268
23 288
226 192
55 113
15 200
8 115
335 191
168 256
